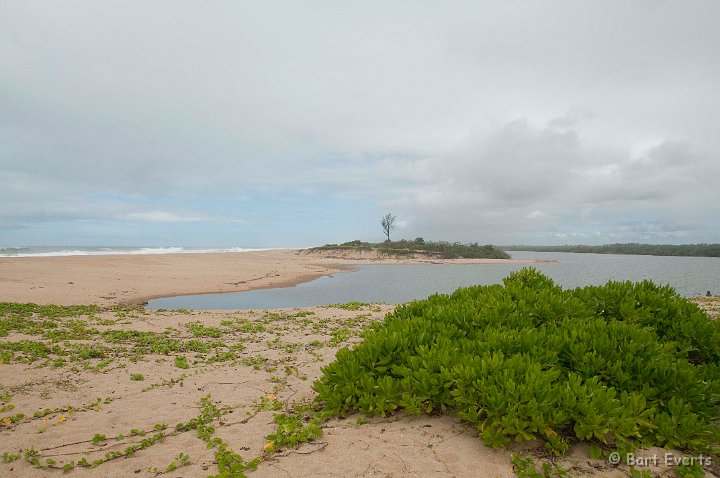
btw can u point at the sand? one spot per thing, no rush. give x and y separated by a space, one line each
85 399
133 279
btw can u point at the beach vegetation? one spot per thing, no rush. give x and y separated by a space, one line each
10 457
287 347
10 421
61 338
183 459
620 366
46 311
254 361
340 335
229 463
293 429
166 382
525 467
354 305
692 470
92 343
181 362
314 344
99 440
199 330
224 356
405 248
303 313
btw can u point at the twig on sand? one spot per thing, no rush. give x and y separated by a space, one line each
321 446
222 383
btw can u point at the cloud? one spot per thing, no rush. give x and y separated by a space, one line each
663 172
536 182
507 121
165 217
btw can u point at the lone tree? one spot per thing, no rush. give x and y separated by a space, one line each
388 224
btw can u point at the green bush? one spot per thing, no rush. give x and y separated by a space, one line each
441 249
622 365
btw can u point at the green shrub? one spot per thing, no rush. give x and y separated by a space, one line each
199 330
622 365
441 249
181 361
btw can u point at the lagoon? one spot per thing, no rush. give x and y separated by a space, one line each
400 283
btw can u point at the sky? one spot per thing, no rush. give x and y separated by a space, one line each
292 124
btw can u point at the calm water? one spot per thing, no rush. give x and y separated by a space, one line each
394 284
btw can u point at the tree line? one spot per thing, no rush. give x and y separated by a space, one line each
694 250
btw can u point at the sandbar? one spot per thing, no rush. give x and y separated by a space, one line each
107 280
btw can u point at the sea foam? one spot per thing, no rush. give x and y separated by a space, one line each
50 251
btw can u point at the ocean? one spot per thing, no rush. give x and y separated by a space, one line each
53 251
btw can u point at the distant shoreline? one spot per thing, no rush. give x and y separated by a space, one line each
673 250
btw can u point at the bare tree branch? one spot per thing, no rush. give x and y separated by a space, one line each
388 224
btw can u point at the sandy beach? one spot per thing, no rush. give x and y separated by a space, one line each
116 391
132 279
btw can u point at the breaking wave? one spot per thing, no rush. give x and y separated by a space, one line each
47 251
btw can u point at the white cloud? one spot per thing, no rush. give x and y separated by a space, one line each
465 118
525 181
164 216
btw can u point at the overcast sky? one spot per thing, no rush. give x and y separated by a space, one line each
227 123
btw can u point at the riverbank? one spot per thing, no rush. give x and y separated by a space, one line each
133 279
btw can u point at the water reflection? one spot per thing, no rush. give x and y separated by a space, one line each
399 283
